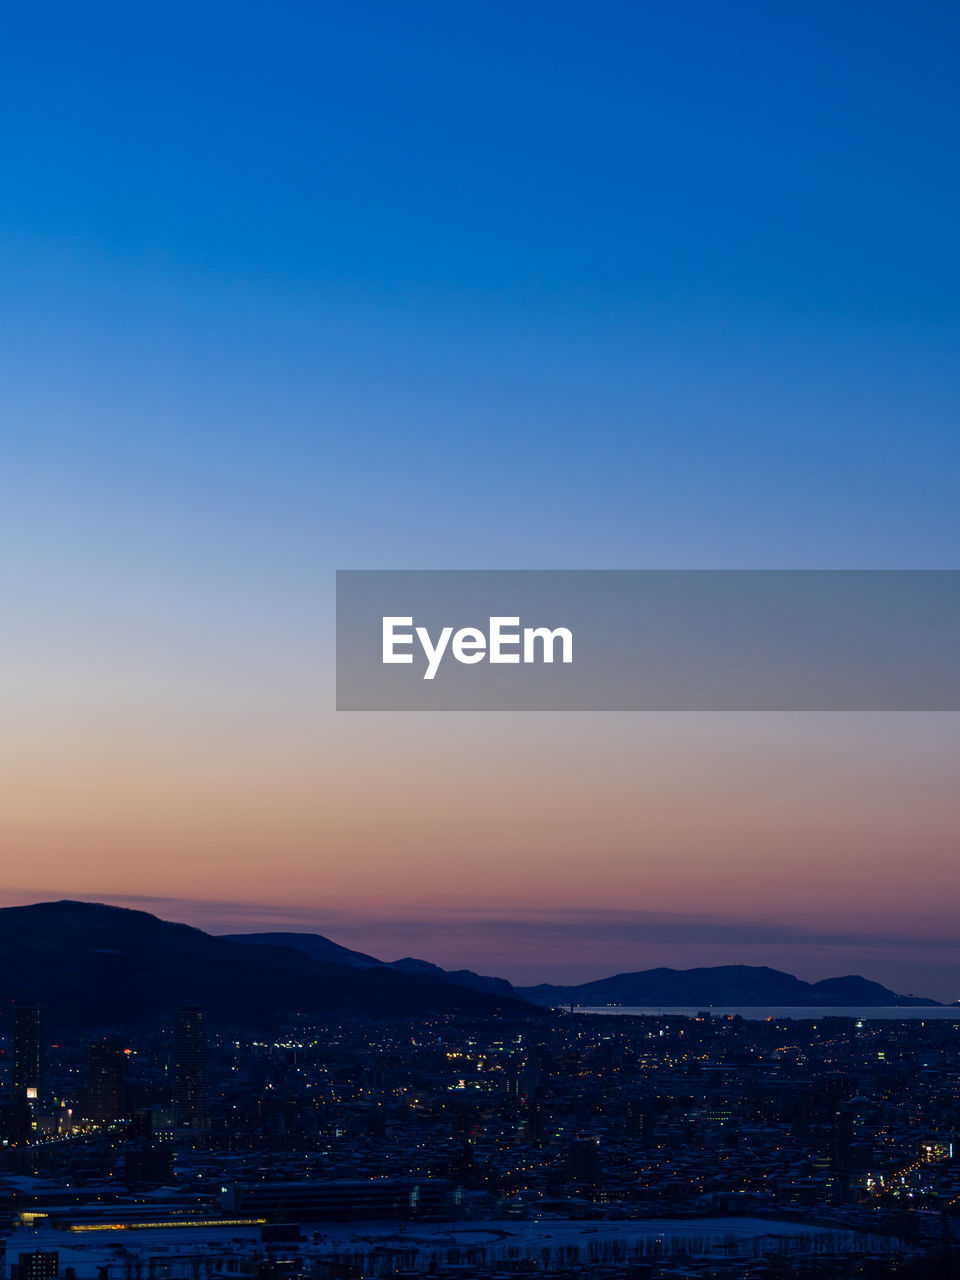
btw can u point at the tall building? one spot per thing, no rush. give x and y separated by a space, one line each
190 1066
26 1051
107 1082
16 1126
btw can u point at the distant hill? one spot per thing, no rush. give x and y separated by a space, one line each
314 945
320 948
92 966
722 985
460 977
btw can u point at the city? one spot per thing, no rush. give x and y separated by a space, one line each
558 1145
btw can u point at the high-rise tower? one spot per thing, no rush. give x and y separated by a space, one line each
190 1066
26 1051
107 1082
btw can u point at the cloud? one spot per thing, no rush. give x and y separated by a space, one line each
547 924
215 915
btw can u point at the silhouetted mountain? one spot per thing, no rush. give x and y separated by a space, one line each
459 977
320 948
856 990
723 985
314 945
90 965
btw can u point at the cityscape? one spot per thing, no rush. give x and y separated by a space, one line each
523 1140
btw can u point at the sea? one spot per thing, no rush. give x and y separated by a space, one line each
754 1013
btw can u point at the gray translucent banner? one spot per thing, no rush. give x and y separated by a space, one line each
648 640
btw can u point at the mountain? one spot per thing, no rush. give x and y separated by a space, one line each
724 985
855 990
89 966
459 977
313 945
320 948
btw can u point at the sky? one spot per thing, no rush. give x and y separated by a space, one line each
301 287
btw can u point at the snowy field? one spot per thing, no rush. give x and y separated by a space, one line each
213 1251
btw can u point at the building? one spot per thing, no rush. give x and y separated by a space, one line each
16 1121
26 1051
583 1163
190 1066
313 1201
106 1082
40 1264
148 1164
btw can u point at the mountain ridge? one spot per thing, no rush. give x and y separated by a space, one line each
90 965
316 945
722 985
746 985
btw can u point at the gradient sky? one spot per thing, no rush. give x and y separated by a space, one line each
296 287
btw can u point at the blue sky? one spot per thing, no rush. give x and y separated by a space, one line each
663 284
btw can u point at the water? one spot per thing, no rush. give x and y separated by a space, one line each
753 1013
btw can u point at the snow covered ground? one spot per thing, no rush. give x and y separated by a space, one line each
216 1250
